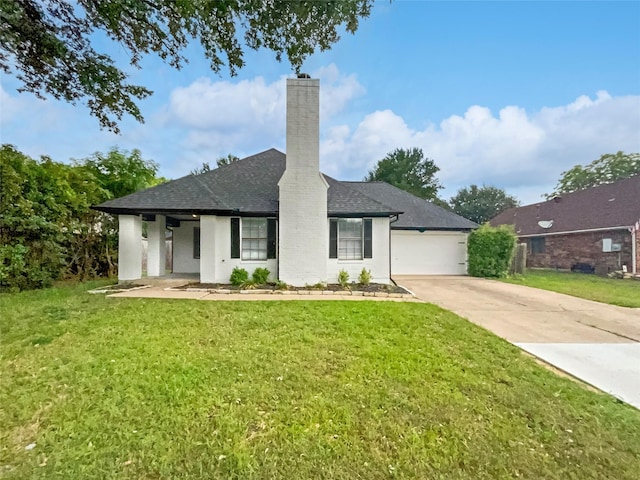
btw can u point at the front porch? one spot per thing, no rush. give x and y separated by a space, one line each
206 248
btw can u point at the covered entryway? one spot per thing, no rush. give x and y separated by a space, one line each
428 252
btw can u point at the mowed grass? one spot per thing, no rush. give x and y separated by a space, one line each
625 293
149 389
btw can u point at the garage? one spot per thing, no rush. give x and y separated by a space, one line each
428 252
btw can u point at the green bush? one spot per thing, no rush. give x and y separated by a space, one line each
239 276
343 278
490 250
365 277
260 276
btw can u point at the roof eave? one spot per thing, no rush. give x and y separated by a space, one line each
436 229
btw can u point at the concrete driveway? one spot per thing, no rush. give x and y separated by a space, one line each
592 341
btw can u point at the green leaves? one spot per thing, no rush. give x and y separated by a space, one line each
490 250
607 169
49 43
47 229
481 204
409 170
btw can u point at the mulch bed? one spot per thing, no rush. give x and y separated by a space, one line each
334 287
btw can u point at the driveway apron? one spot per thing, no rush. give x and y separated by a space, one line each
595 342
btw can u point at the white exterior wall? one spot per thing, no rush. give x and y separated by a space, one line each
156 249
183 261
129 247
215 264
379 264
303 227
226 264
428 253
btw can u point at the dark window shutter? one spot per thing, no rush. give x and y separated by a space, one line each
196 242
368 236
271 238
333 238
235 238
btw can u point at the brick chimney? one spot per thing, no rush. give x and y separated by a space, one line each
303 224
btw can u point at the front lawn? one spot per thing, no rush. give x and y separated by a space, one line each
96 388
625 293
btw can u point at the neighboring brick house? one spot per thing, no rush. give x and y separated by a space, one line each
279 212
596 226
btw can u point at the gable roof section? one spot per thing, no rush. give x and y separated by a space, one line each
247 186
615 205
417 213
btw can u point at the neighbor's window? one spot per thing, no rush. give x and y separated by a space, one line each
536 245
254 239
350 239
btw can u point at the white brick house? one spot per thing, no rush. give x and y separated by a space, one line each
280 212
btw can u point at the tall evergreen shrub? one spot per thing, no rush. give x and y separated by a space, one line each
490 250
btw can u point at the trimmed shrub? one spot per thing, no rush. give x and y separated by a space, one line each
239 276
343 278
365 277
260 275
490 250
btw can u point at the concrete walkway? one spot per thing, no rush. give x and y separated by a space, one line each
595 342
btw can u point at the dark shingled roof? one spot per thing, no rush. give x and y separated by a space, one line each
606 206
250 186
247 186
418 213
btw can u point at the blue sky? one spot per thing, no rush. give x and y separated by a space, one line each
503 93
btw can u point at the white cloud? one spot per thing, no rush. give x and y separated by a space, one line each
520 151
246 116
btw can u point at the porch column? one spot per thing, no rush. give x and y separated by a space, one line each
156 252
129 247
207 249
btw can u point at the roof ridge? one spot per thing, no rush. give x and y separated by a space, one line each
214 197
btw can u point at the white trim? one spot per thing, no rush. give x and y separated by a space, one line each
624 227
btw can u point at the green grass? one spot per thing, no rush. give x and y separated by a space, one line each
149 389
625 293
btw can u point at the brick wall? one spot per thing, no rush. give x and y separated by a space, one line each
563 251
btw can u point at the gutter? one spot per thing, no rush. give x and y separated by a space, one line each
587 230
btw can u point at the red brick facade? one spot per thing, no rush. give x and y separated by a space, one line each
564 251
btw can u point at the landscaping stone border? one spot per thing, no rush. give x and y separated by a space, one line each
117 290
226 291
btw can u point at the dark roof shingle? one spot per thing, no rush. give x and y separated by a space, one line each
417 212
606 206
250 186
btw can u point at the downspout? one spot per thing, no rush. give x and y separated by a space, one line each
634 251
397 215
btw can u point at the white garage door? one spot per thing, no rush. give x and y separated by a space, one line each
428 253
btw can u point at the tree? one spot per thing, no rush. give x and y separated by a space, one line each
608 168
47 227
50 43
121 172
206 167
230 158
481 204
409 170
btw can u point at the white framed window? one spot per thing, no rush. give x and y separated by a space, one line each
254 239
350 239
